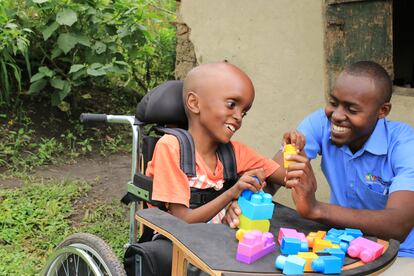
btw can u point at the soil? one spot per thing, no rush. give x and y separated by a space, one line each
106 175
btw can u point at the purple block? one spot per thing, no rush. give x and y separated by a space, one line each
255 245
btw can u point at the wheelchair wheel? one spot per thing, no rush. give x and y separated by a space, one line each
83 254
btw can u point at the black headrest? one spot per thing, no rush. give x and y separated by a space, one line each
163 105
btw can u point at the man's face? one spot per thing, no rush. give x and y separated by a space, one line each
353 108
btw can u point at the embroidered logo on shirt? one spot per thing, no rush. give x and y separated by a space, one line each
377 184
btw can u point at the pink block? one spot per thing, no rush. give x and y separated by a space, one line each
365 249
291 233
255 245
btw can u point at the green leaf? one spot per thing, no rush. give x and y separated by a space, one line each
64 106
99 47
83 40
37 76
46 71
76 67
49 30
66 17
66 42
40 1
58 83
86 96
96 69
37 86
56 52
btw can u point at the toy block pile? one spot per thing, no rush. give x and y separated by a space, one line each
253 245
256 210
328 250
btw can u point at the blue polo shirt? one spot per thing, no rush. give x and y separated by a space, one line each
364 180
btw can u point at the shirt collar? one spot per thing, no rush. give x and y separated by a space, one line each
378 143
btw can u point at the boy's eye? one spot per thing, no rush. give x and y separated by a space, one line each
231 104
332 102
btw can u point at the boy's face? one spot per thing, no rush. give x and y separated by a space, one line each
353 108
223 104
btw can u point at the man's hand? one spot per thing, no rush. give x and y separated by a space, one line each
301 179
232 214
295 138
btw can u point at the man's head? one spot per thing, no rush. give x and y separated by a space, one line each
359 98
216 98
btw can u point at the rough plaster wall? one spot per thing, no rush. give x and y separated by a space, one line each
280 46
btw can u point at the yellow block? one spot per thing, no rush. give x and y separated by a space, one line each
288 150
248 224
319 244
315 235
309 257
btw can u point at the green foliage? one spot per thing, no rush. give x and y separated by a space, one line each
14 57
33 220
109 222
106 43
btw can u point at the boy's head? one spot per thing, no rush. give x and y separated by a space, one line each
216 98
359 98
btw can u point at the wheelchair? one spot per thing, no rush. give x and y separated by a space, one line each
86 254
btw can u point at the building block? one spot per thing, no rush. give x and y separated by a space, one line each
255 245
291 233
345 241
337 252
335 232
353 232
309 257
248 224
327 265
240 233
292 246
290 265
256 206
288 149
365 249
319 245
315 235
333 239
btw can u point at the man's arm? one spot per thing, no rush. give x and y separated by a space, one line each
395 221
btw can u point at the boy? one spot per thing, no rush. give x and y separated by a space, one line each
216 98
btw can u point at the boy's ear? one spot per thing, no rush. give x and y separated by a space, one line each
385 109
192 102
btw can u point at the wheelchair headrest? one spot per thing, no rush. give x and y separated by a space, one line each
163 105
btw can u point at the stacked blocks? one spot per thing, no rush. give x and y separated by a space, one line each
327 264
291 233
334 252
365 249
257 209
291 264
254 245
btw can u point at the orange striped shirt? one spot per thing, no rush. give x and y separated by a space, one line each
171 185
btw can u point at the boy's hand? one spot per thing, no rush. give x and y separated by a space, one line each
249 180
295 138
232 214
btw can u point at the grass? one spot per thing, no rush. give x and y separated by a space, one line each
35 218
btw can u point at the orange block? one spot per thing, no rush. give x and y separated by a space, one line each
315 235
309 257
319 245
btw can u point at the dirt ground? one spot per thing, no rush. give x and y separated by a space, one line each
107 176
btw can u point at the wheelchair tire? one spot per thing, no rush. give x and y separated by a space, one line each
83 254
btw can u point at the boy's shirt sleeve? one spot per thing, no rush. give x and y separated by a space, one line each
313 129
247 159
170 184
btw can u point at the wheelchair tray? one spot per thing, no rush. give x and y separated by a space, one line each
212 247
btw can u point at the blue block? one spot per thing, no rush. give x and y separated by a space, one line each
335 232
335 252
327 265
333 239
292 246
256 206
353 232
345 240
290 265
